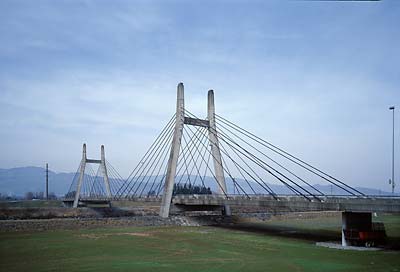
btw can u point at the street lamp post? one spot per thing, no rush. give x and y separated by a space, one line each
392 181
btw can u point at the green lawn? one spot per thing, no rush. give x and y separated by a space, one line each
186 249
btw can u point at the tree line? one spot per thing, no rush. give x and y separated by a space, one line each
39 195
189 189
27 196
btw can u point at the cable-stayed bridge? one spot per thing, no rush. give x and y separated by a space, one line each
244 169
95 186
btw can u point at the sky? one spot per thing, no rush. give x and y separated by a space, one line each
313 77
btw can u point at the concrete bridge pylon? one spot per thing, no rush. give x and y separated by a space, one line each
84 161
181 120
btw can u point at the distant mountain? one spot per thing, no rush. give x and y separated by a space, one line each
260 188
18 181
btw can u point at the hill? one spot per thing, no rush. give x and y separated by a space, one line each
18 181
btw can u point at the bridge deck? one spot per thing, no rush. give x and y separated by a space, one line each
296 203
283 203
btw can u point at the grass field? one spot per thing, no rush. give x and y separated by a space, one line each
247 247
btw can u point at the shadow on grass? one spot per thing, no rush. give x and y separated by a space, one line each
112 212
314 235
310 235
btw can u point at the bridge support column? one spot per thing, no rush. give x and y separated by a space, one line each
81 176
215 151
174 154
352 223
104 171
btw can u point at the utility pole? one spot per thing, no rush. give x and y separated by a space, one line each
392 180
47 181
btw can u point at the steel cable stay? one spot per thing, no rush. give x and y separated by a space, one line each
143 163
115 178
225 152
205 136
263 184
205 168
201 150
100 183
146 170
121 191
112 179
160 186
146 166
187 148
185 162
266 167
110 166
205 151
162 182
226 170
112 182
294 190
222 189
194 160
291 157
235 183
93 183
160 155
159 170
222 128
238 167
207 163
148 175
331 182
181 152
266 187
168 126
240 171
179 163
270 191
213 174
182 160
74 181
84 181
257 161
88 179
